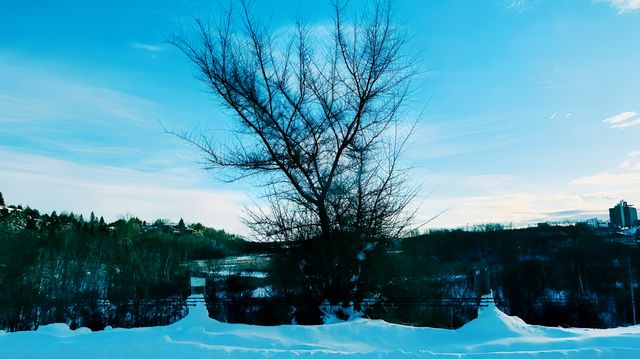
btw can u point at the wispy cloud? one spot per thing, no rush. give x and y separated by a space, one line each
617 183
608 179
631 162
484 181
557 79
55 111
623 5
627 124
518 5
30 94
445 136
568 213
622 120
516 199
622 117
48 184
520 209
557 115
147 47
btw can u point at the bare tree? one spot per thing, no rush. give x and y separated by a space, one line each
319 118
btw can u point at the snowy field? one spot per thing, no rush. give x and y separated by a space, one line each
492 335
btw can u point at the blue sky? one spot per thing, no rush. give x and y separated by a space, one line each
531 112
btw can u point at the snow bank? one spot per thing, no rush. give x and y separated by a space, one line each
492 335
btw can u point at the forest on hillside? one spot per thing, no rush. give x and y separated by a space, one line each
570 276
86 272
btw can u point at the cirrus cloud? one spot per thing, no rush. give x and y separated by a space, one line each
624 5
608 179
147 47
48 183
622 120
631 162
518 5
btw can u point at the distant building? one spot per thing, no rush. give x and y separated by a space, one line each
596 223
623 215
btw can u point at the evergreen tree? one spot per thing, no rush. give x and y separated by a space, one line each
1 200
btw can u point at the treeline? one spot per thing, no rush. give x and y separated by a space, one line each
571 276
575 276
86 272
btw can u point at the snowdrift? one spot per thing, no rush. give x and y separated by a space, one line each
492 335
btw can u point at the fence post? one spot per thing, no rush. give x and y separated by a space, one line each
482 282
198 285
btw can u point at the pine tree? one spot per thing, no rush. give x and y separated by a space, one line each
1 200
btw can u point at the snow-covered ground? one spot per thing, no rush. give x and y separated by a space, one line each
492 335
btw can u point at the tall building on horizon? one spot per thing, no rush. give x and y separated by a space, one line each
623 215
